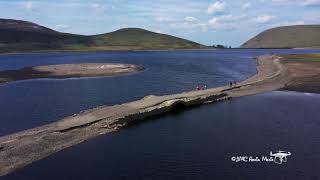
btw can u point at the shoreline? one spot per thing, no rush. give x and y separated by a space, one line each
97 51
65 71
135 50
22 148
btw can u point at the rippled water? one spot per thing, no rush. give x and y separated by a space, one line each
196 144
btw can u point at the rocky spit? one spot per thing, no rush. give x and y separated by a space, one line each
62 71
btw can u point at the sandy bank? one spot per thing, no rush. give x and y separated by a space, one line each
22 148
68 71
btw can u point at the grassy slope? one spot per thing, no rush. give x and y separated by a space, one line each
26 36
302 57
304 72
287 37
139 38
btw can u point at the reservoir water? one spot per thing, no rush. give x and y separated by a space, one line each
196 144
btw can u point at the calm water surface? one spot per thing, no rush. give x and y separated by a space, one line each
199 144
196 144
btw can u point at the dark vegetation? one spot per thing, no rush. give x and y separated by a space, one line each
219 46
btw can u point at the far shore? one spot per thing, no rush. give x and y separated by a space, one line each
61 71
137 50
273 73
106 50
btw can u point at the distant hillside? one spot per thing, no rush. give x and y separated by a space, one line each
26 36
287 37
134 37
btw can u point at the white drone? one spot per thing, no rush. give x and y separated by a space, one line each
280 156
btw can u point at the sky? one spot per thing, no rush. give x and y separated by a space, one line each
227 22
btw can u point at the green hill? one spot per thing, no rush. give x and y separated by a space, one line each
26 36
301 36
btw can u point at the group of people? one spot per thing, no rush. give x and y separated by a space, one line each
201 87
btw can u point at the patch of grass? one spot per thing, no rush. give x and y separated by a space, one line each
302 57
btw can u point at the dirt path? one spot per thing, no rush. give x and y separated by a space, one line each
22 148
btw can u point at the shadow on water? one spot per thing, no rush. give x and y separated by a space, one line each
177 109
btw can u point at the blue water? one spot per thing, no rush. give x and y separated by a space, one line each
30 103
170 147
199 144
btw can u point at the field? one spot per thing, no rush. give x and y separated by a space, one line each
304 71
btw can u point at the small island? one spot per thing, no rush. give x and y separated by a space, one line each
62 71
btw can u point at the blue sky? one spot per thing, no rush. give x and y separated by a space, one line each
229 22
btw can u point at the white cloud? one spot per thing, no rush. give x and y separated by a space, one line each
28 5
214 23
282 1
186 20
225 22
164 19
246 6
99 7
264 18
231 18
194 23
311 2
216 7
190 19
297 2
187 23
